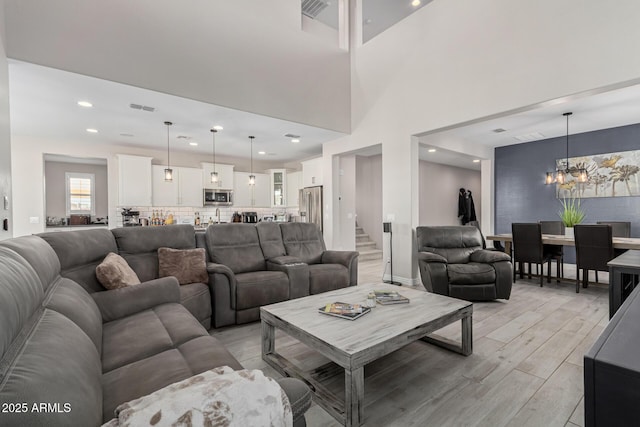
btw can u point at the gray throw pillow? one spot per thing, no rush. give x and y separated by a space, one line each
186 265
115 273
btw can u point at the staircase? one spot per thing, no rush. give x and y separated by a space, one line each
366 246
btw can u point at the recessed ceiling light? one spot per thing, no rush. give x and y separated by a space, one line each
90 130
85 104
295 140
415 3
432 150
194 144
262 152
218 127
476 160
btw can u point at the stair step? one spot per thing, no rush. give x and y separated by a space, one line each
370 254
359 230
365 245
362 237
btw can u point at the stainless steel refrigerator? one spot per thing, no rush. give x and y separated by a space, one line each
310 201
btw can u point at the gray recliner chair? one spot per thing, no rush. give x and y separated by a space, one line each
453 262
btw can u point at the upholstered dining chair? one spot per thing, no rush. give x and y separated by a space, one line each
618 228
528 248
556 251
594 249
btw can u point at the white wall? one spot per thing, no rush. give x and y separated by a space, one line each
250 55
460 60
56 187
439 188
5 136
27 164
347 211
369 196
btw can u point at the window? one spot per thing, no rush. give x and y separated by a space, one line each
80 193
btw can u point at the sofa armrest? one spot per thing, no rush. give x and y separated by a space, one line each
222 285
431 257
118 303
285 260
347 258
297 272
339 257
488 256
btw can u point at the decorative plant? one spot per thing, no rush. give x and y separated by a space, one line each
571 213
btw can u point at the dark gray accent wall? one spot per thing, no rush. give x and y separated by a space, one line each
522 196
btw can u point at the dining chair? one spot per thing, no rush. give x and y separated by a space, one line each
594 249
618 228
528 248
556 251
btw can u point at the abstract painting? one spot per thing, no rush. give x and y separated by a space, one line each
610 175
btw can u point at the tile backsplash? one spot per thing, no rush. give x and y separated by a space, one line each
186 215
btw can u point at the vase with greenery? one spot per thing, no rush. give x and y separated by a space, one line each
571 214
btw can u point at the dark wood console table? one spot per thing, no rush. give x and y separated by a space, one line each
624 276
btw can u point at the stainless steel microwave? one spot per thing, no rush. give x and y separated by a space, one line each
217 197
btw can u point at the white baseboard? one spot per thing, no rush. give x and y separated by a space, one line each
404 281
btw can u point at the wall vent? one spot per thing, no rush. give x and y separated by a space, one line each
312 8
290 135
534 136
499 130
142 107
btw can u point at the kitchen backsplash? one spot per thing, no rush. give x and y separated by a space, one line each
187 215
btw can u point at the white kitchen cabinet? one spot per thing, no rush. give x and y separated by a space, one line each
134 180
312 172
225 176
278 189
294 183
247 196
184 190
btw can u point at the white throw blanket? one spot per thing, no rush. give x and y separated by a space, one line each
219 397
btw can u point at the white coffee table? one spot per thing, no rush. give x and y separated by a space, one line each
352 344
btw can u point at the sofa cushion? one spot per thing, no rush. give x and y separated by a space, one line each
260 288
303 240
80 252
146 333
40 256
270 240
186 265
327 277
237 246
472 273
115 273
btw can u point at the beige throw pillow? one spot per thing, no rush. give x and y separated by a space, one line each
115 273
186 265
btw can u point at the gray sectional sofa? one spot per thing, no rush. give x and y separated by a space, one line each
82 354
67 342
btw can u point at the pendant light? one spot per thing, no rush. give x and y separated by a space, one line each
252 177
214 174
168 172
562 175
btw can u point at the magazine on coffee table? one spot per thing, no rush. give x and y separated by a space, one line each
390 297
344 310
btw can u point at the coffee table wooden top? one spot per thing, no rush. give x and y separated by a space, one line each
351 337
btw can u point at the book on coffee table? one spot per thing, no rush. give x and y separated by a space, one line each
344 310
390 297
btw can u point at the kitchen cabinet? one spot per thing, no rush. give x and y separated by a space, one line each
184 190
225 176
247 196
278 188
294 183
134 180
312 172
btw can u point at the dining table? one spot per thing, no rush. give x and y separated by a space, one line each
562 240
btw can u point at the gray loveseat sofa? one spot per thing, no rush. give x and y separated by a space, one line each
83 354
453 262
252 266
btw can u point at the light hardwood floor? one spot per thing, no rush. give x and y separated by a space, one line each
526 368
